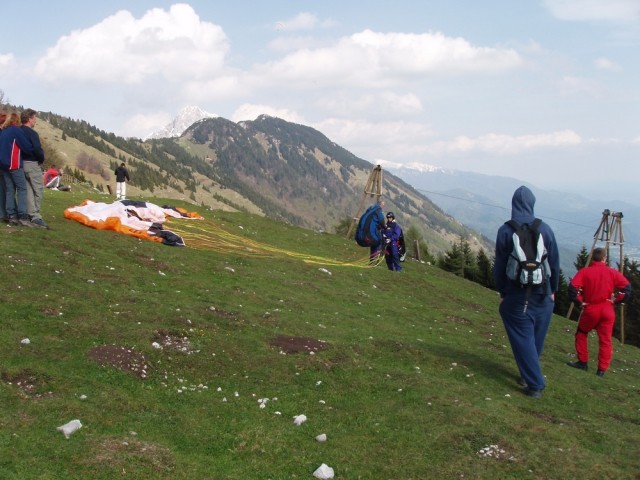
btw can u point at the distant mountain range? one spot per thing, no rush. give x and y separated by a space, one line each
483 202
185 118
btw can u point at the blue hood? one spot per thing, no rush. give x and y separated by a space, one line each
522 205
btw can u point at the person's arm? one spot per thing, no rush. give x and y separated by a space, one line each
500 261
624 289
23 142
38 152
553 259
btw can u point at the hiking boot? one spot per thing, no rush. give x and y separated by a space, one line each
38 222
600 373
530 392
13 221
25 223
579 365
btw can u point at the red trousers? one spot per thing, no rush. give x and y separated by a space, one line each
601 317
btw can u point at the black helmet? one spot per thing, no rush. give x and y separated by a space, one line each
391 215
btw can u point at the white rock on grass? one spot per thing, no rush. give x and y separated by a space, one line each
323 472
322 437
69 428
299 419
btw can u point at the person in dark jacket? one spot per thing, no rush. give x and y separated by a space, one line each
32 164
391 235
526 311
13 143
122 176
595 289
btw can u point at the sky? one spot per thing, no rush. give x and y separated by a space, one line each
546 91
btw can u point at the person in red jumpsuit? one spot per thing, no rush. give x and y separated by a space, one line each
596 289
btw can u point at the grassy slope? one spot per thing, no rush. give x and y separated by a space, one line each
417 379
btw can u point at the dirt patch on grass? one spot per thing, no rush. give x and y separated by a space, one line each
221 313
459 320
130 455
298 344
174 341
121 358
30 384
50 311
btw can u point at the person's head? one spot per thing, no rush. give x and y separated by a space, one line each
522 204
13 119
28 117
122 164
3 117
390 217
599 254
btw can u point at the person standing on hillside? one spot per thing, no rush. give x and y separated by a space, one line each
595 289
526 311
122 176
13 143
391 235
33 168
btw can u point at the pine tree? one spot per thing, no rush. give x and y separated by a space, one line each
484 270
582 259
562 302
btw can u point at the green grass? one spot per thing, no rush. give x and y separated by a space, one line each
416 380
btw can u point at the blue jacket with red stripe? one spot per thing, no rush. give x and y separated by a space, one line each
13 142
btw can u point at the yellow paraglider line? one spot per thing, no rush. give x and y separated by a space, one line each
204 234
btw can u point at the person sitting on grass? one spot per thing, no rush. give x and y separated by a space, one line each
52 178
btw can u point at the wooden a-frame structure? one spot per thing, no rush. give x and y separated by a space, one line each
373 188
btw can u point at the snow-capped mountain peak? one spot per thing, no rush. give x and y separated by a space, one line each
185 118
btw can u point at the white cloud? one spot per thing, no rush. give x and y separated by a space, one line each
290 43
6 60
571 85
606 64
391 140
141 124
302 21
622 11
375 59
250 111
499 144
173 45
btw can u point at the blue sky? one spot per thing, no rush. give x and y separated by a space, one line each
545 91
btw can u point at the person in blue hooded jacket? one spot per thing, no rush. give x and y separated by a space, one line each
526 311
